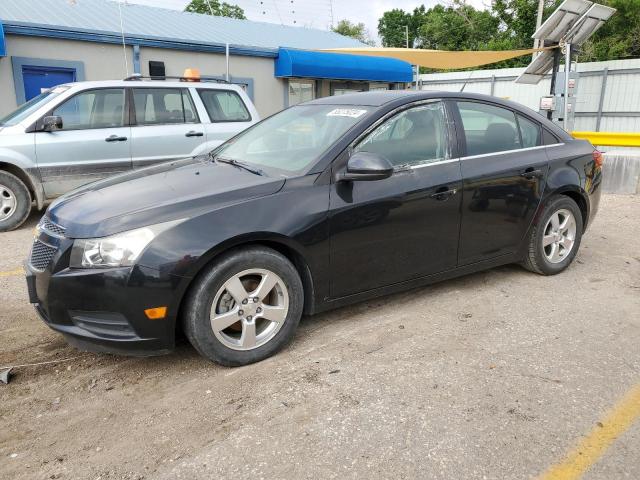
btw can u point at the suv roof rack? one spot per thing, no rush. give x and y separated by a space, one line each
137 76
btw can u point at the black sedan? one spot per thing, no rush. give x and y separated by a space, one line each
321 205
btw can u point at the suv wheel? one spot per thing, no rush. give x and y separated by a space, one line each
245 307
15 202
555 238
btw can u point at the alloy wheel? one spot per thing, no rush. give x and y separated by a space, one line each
559 236
249 309
8 203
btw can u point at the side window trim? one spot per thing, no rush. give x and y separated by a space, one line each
233 92
126 121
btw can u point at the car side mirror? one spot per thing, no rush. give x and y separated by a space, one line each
366 166
51 123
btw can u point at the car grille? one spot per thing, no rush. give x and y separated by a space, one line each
41 255
49 226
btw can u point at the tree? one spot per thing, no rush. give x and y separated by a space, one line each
457 28
619 37
215 8
353 30
392 28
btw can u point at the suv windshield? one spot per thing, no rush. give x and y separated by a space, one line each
292 140
26 109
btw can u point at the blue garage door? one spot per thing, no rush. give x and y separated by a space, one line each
37 78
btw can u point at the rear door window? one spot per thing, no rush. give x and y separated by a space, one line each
224 106
488 128
162 106
549 138
529 132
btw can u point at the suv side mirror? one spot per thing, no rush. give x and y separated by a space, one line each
51 123
366 166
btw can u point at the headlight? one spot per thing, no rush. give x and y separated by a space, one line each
120 250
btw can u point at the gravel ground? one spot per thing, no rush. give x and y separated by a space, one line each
494 375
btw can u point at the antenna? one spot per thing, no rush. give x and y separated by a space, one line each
124 45
331 11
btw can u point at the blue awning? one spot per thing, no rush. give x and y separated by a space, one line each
3 48
340 66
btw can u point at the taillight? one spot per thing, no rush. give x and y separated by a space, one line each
598 158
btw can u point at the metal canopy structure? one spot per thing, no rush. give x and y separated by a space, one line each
572 23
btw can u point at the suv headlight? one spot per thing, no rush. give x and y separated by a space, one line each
119 250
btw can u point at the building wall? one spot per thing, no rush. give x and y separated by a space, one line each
106 62
101 61
268 91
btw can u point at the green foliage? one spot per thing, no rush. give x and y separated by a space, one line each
459 28
507 25
619 37
215 8
353 30
392 28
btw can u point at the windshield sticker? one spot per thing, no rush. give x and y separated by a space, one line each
346 112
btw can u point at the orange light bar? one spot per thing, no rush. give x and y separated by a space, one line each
157 313
191 75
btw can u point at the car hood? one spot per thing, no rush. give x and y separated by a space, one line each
161 193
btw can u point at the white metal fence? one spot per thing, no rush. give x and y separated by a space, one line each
607 96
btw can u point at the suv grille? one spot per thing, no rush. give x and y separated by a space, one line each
49 226
41 255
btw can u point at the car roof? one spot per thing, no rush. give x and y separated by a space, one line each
153 83
401 97
379 98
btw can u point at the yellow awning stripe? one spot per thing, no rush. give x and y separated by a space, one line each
440 59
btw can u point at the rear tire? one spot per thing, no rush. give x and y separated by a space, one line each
244 307
555 239
15 202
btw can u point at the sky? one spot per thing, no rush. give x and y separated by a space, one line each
315 13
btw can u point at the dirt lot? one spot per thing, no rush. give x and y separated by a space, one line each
495 375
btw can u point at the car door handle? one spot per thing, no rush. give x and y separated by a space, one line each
444 194
115 138
193 133
532 173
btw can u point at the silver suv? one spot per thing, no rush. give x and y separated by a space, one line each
76 133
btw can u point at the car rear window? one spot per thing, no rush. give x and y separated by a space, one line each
224 106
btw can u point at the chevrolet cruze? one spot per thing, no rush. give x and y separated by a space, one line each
321 205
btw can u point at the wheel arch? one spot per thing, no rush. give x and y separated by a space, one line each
33 185
578 196
280 243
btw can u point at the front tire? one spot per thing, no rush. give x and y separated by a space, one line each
245 307
555 239
15 202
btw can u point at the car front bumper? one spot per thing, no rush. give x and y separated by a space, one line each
102 310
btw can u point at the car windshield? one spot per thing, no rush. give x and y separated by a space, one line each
291 141
26 109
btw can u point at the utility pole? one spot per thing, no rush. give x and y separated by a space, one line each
536 42
406 34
